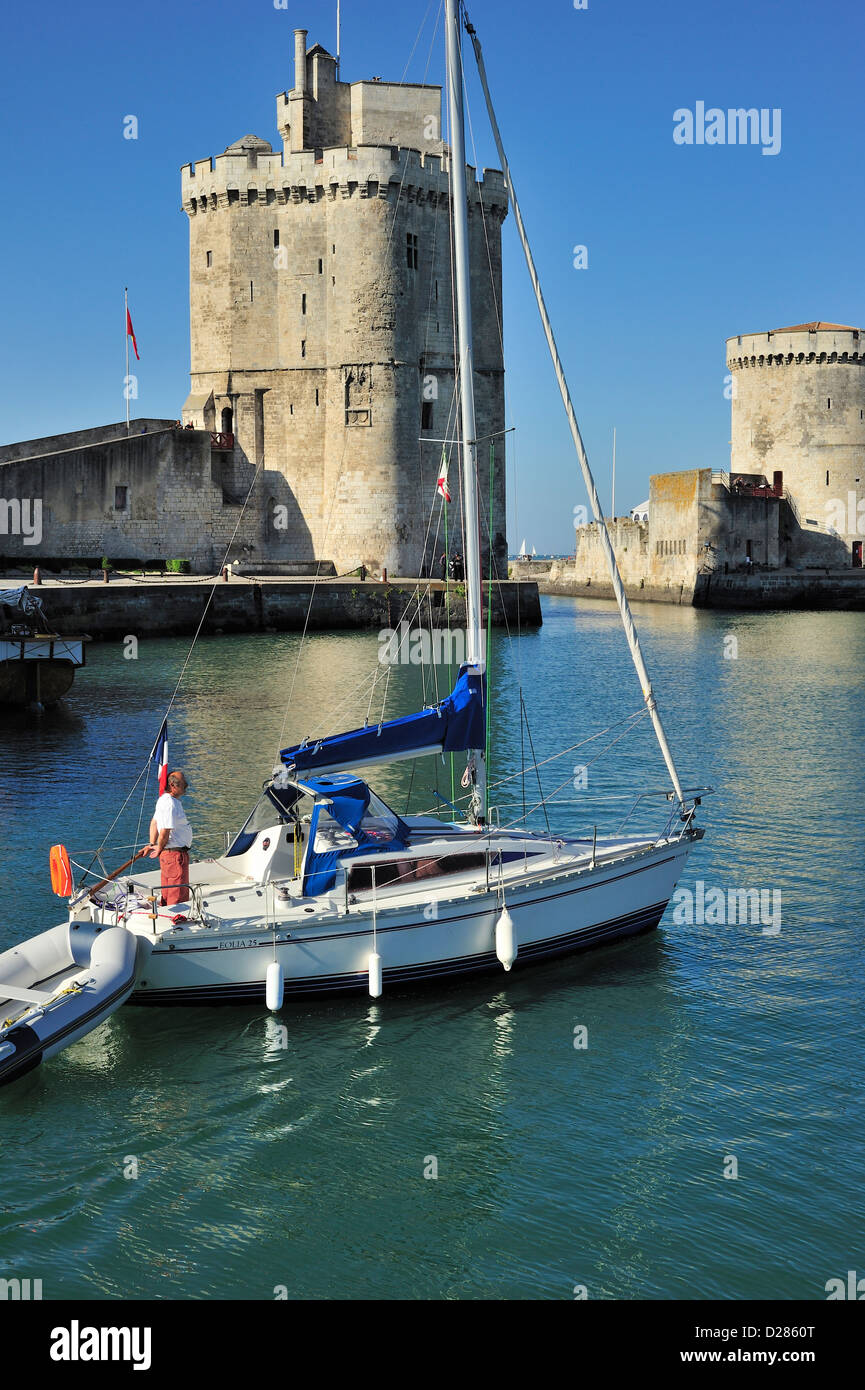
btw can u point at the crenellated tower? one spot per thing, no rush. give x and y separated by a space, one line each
798 408
322 322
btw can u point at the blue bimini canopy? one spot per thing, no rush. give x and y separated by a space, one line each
458 722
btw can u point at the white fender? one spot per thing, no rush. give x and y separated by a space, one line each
374 965
506 939
274 987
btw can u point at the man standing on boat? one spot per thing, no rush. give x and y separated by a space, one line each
170 838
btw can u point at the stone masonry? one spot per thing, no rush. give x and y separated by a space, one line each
322 317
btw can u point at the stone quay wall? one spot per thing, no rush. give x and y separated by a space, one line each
165 608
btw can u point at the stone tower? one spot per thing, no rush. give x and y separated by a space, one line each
321 320
799 408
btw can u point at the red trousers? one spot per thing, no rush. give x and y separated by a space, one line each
175 876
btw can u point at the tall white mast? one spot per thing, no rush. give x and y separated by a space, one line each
475 655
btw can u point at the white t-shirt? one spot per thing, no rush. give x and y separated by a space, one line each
171 816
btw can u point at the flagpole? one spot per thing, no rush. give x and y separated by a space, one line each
126 339
613 510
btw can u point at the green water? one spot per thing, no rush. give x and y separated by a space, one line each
262 1165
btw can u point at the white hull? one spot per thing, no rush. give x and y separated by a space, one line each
555 911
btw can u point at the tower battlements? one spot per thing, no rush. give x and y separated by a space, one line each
805 343
270 178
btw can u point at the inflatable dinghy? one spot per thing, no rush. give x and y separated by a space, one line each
59 986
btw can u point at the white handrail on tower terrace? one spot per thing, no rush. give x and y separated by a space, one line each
618 587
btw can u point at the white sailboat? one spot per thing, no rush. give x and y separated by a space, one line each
325 889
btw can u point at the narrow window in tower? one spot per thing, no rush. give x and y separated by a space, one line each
209 255
333 249
426 415
303 303
316 395
411 250
120 495
437 291
276 236
291 410
320 267
827 477
251 292
303 347
828 402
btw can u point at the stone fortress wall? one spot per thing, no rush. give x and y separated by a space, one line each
790 502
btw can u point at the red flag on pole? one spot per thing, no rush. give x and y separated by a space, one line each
442 484
130 333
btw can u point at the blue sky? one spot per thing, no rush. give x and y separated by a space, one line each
686 244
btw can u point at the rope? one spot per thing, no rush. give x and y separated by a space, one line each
185 664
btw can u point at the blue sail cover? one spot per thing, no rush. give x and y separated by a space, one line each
458 722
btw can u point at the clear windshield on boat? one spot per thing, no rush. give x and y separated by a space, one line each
276 806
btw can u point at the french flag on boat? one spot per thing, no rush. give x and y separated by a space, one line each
160 756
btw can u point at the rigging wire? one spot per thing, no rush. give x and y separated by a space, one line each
170 705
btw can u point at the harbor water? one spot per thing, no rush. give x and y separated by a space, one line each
678 1116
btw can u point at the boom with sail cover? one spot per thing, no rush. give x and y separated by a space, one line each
457 723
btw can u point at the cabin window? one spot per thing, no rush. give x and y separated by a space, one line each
397 873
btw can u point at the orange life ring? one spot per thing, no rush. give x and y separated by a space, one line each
61 871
